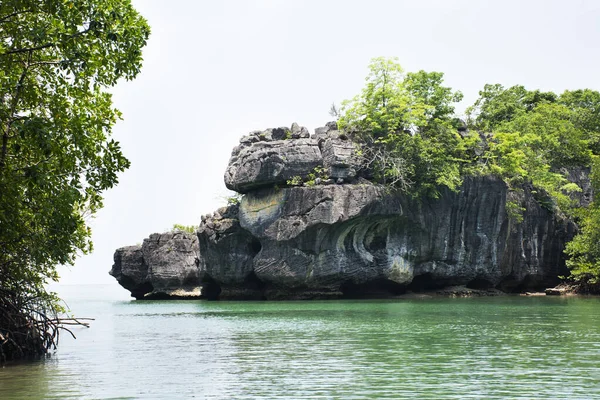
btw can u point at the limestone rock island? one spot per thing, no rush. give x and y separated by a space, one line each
310 224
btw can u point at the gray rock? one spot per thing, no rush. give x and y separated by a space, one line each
271 134
249 139
339 158
461 127
299 132
348 237
165 264
295 129
329 131
266 135
227 255
172 260
321 131
353 238
265 164
345 240
130 270
581 177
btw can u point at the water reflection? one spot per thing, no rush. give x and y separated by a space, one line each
434 348
39 380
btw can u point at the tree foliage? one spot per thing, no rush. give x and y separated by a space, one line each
406 125
184 228
497 105
584 249
407 133
537 138
57 60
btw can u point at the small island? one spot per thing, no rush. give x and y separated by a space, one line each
397 195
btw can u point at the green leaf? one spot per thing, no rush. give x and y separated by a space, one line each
56 63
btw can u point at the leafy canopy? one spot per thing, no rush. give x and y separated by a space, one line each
538 137
406 127
57 60
584 249
408 137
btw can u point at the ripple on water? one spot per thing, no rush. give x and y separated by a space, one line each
510 347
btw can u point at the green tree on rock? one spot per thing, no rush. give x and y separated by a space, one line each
407 137
406 125
584 249
57 60
537 137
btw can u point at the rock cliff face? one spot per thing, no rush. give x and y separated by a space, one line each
350 238
165 265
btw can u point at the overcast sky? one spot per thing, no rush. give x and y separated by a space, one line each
216 70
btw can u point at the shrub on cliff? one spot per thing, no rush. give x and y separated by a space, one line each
409 136
184 228
584 249
407 127
536 137
57 60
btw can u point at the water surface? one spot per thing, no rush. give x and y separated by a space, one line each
481 348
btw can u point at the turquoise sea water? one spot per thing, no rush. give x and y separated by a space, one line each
480 348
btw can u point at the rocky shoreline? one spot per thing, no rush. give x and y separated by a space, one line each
310 225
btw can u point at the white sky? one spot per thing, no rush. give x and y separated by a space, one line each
216 70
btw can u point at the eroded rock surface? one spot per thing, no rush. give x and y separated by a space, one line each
265 164
350 237
353 239
339 158
164 265
130 270
227 258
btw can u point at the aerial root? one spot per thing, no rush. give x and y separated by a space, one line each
30 326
